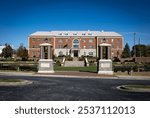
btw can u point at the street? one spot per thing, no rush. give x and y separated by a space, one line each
71 89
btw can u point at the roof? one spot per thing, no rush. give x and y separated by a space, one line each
74 33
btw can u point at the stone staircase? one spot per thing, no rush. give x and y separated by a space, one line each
74 63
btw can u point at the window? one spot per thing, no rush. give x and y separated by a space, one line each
91 41
112 40
91 46
33 46
75 46
67 40
75 33
33 39
118 44
83 34
38 40
66 33
60 40
60 46
90 53
60 53
49 40
84 40
112 45
104 40
46 40
60 33
89 33
76 43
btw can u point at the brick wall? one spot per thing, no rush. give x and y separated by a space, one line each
84 43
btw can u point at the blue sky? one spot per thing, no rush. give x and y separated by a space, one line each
19 18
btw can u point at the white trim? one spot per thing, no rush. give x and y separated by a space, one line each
45 44
104 44
106 72
71 33
46 71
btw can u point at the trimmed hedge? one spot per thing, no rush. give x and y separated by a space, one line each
18 67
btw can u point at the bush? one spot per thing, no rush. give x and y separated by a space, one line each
58 63
116 59
69 58
147 66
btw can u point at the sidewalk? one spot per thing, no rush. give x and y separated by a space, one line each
75 74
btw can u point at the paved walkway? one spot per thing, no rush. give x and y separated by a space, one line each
78 75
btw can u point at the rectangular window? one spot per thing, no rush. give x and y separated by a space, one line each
118 44
91 41
91 46
49 40
33 39
60 33
75 46
84 40
112 45
90 33
60 40
67 40
38 40
60 46
90 53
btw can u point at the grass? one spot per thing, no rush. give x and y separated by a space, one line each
84 69
10 80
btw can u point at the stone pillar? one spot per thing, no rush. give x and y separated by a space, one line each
45 63
104 64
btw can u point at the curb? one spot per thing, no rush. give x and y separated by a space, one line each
22 83
74 76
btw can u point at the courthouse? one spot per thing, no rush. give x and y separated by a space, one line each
75 43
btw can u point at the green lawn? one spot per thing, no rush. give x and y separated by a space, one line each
86 69
10 80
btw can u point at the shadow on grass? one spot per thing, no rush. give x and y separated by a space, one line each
89 71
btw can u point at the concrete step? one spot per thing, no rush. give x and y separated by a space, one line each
74 64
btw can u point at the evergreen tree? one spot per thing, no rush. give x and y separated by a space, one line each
142 50
7 52
22 52
126 52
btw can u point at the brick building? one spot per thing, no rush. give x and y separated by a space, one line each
75 43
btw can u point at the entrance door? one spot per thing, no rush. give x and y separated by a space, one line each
75 53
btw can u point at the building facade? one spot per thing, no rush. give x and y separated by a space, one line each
75 43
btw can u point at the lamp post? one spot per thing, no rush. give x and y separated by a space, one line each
140 46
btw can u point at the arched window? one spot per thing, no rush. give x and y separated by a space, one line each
76 43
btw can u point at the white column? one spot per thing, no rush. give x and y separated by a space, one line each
49 52
41 49
97 51
101 52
